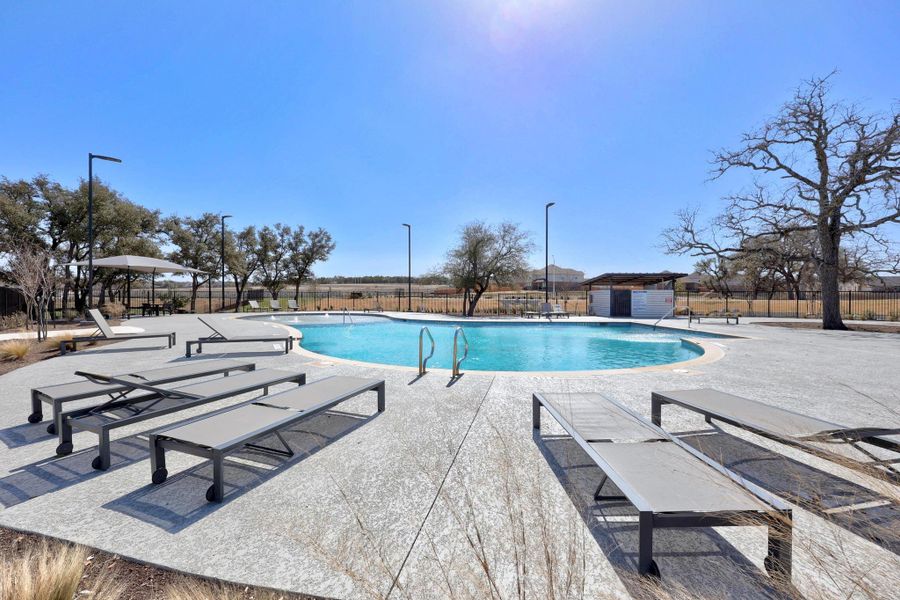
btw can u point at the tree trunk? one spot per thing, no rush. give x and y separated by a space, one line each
195 285
239 292
829 241
474 302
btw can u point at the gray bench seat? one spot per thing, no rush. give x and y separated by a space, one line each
669 483
215 435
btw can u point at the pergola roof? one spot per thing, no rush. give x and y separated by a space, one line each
633 278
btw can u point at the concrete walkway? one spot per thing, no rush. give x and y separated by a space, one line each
449 494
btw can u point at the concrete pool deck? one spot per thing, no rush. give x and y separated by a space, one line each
389 505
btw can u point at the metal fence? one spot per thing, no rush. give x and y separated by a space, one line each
872 305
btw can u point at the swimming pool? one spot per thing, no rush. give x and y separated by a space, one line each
494 346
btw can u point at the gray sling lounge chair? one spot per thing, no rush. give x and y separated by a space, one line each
670 483
254 305
104 332
787 427
225 332
274 305
292 304
57 395
215 435
161 401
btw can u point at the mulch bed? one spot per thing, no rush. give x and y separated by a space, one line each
47 349
141 581
870 327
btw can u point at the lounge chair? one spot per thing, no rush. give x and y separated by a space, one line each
785 426
215 435
292 304
225 332
274 305
716 314
57 395
254 305
554 310
670 483
102 419
105 332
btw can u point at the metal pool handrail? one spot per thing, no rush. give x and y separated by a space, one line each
456 363
423 362
346 315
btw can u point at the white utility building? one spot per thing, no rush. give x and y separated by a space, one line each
637 295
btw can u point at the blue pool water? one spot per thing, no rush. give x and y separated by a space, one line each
556 346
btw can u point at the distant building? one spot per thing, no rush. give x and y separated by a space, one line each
887 283
565 279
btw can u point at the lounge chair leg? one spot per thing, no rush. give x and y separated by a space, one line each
158 472
656 411
102 462
380 391
535 412
216 491
187 349
64 431
646 564
778 557
37 410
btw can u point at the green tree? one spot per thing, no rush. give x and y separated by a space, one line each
273 251
241 259
197 244
305 250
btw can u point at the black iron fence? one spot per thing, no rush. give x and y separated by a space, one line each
869 305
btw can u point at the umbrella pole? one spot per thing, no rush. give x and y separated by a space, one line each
128 303
153 289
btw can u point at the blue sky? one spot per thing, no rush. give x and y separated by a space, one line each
358 116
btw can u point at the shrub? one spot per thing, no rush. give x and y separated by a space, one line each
115 310
13 321
53 571
15 349
869 315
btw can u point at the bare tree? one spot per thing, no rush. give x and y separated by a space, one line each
823 167
29 268
487 254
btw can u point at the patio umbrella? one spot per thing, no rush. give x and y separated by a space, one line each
142 264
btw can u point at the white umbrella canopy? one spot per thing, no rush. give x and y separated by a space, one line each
144 264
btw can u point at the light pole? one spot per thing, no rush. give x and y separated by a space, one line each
547 251
223 261
91 158
409 266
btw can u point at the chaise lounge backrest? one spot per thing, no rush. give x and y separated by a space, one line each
101 322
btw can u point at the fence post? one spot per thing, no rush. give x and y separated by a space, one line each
850 302
797 307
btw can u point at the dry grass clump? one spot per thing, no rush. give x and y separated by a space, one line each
52 571
191 590
15 349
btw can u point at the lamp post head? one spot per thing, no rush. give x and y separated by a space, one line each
225 217
101 157
549 204
407 225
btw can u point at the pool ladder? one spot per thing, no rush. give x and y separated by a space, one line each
424 361
345 315
456 363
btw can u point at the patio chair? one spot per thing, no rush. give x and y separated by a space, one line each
788 427
254 305
104 332
292 304
274 305
215 435
57 395
104 418
552 310
224 332
669 483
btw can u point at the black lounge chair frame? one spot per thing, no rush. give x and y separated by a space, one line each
78 419
778 519
159 443
218 338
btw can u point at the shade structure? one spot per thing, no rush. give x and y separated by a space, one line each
143 264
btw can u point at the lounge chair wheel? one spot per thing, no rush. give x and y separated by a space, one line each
97 463
211 494
160 475
35 417
51 428
653 571
64 448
